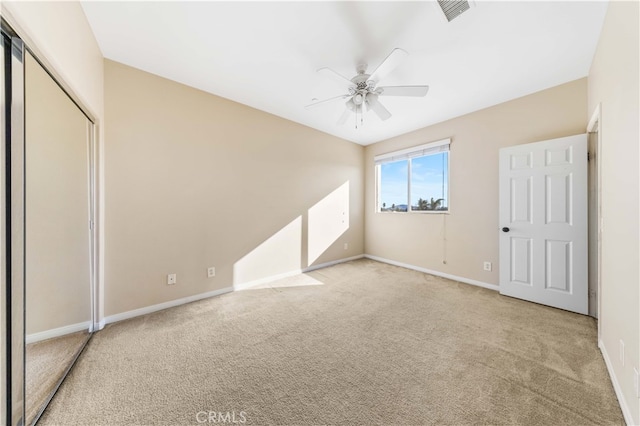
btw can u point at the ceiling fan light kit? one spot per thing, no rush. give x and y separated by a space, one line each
363 90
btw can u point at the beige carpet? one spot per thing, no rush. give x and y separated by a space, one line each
374 344
45 364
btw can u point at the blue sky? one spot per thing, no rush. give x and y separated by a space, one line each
426 180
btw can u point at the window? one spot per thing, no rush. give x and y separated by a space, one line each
414 179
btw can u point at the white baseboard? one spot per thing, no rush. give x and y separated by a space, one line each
160 306
251 284
436 273
57 332
626 411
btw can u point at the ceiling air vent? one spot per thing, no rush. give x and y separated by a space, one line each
453 8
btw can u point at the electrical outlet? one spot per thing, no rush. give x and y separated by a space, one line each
622 353
211 272
487 266
346 246
172 279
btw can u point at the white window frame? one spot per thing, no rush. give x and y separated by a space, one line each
431 148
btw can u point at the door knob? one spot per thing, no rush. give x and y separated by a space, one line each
505 229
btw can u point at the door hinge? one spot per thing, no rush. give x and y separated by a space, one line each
588 156
91 224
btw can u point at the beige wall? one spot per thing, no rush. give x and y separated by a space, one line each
613 83
194 181
57 260
468 235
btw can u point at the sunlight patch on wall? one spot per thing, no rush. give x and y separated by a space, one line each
279 255
328 220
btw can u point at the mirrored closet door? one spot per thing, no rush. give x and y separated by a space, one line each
58 235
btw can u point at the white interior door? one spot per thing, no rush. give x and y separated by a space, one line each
543 220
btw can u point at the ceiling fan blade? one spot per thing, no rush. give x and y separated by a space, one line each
336 76
388 64
315 104
402 90
377 107
344 117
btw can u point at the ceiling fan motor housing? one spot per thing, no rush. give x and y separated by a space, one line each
363 87
360 80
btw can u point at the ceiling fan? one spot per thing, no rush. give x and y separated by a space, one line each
363 89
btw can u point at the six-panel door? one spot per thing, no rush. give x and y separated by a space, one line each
543 222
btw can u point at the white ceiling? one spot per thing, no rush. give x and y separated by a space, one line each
265 54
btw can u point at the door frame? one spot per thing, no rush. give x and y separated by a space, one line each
595 125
